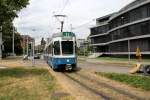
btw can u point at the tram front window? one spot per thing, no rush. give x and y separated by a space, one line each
56 48
67 47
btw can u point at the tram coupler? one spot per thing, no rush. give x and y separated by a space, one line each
68 67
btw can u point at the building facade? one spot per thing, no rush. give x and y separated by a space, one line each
127 30
26 44
99 36
80 43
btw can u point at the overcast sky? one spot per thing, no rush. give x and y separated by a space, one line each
37 19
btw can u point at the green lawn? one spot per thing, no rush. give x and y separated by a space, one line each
26 84
137 81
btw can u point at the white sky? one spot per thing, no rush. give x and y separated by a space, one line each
37 19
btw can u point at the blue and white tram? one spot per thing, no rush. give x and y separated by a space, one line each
60 52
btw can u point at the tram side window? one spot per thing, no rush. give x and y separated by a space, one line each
56 48
49 49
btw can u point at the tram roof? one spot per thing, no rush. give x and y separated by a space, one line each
56 35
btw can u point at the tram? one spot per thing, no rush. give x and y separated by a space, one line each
60 52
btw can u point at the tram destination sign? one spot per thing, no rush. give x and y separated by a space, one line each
68 35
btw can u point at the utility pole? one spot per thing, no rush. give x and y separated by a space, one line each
129 58
1 40
24 45
33 51
13 42
71 28
27 45
60 18
62 25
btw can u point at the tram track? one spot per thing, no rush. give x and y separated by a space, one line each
123 92
99 89
105 97
94 86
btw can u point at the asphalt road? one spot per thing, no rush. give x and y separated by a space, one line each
86 65
96 67
101 67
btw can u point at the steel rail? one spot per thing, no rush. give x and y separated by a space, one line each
126 93
87 87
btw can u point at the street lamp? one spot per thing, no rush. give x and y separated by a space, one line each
33 49
61 19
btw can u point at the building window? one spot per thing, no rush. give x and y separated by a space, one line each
130 31
148 10
133 15
145 28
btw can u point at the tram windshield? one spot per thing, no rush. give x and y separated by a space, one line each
67 47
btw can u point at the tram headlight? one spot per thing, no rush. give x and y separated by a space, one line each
68 60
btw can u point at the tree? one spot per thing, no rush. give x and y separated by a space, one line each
8 11
7 39
43 42
18 46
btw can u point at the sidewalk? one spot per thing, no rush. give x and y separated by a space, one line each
13 62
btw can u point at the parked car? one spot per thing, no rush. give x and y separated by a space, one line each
36 56
25 57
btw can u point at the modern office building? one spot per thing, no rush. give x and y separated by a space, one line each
80 43
99 35
126 30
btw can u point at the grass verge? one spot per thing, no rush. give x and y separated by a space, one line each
137 81
122 60
26 84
